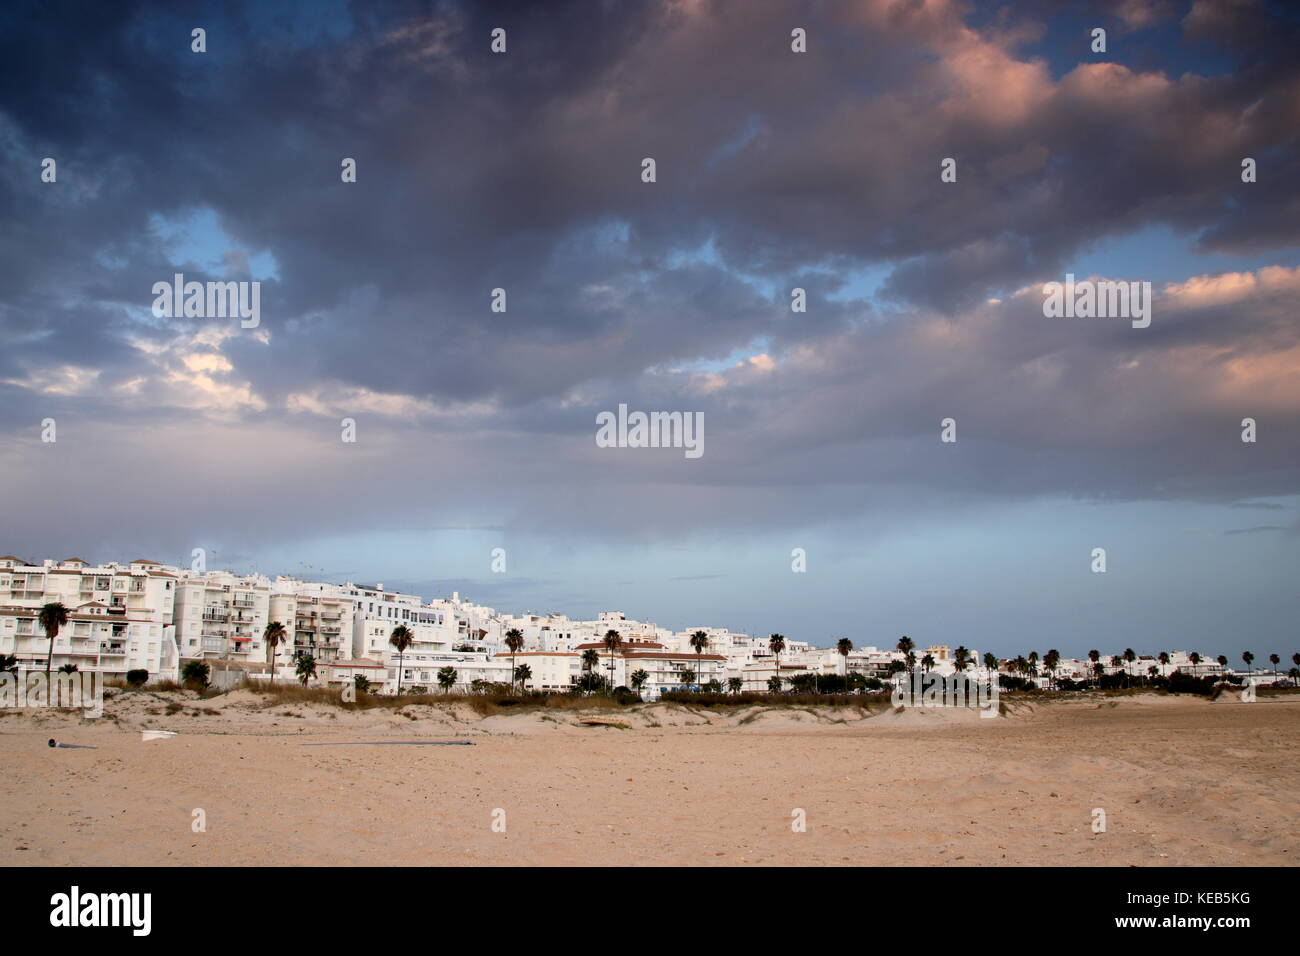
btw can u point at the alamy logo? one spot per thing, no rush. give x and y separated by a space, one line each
208 300
1100 300
103 909
652 430
955 690
80 690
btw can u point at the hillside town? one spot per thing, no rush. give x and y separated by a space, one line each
155 618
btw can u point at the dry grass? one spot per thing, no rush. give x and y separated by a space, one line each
872 702
491 704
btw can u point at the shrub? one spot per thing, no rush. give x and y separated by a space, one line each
1180 683
1007 682
194 675
750 698
137 678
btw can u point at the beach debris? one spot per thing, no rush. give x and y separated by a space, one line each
603 722
55 743
157 734
394 743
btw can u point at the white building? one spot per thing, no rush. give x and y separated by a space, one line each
319 626
119 618
560 670
222 616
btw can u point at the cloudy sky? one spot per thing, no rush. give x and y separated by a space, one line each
775 170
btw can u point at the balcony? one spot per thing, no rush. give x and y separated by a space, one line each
109 650
214 645
216 614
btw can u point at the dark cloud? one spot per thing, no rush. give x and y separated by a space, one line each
522 171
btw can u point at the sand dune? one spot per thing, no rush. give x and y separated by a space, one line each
1181 780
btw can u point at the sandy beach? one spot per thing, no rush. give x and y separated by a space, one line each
1182 781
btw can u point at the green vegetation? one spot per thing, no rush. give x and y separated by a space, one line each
52 617
195 674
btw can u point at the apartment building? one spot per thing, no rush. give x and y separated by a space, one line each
222 616
551 670
664 669
120 618
560 670
469 668
317 625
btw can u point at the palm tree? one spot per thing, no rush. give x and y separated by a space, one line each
844 645
447 678
905 645
687 676
776 643
589 661
1195 658
1117 662
306 668
8 662
700 642
1295 659
735 684
1163 658
1249 658
638 679
962 657
927 662
1274 660
1223 662
523 674
612 644
1129 657
1098 671
273 634
991 664
1095 657
401 639
52 617
1051 660
515 642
